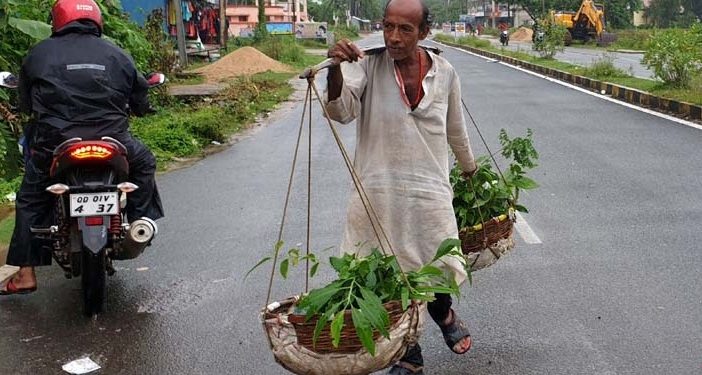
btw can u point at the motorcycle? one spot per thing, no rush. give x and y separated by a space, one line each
504 37
90 227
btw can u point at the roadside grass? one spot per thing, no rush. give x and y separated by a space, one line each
617 76
6 226
636 40
184 130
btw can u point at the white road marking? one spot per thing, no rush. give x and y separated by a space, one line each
562 83
525 231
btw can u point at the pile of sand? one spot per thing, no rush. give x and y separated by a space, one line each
523 34
244 61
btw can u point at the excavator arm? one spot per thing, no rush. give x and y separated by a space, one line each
595 16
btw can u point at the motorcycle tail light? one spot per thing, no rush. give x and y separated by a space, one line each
127 187
89 151
93 220
58 189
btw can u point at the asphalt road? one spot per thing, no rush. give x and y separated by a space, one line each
613 288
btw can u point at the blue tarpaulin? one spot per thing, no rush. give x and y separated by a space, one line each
139 9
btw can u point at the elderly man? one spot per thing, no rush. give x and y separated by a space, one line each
407 103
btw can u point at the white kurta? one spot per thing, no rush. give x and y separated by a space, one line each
402 157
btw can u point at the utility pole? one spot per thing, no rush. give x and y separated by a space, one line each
223 30
180 34
492 10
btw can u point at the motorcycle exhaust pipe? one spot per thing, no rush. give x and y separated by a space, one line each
137 238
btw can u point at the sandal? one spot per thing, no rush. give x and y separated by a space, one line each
411 363
11 288
455 332
405 368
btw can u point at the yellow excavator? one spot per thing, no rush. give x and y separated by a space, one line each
585 24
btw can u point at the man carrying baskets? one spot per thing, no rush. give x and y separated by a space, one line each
407 103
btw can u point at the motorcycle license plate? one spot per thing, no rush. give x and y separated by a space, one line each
94 204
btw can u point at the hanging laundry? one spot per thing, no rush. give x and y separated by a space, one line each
172 12
187 8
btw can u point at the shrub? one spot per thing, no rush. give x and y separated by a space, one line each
553 40
166 134
491 31
674 55
341 32
632 39
604 68
465 40
282 48
7 187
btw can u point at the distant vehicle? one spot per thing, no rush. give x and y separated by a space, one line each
504 37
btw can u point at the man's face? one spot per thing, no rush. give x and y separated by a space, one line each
401 28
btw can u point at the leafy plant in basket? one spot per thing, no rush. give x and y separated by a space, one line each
487 194
365 285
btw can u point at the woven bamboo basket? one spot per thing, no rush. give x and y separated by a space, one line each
349 343
290 339
484 244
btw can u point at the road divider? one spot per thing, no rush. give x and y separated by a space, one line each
683 110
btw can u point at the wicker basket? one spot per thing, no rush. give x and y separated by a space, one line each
477 240
482 247
349 343
291 343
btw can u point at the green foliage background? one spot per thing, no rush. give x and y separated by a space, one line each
675 55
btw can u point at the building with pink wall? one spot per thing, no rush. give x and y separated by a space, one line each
245 17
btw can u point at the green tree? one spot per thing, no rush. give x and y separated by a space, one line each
619 14
261 31
674 13
446 10
326 10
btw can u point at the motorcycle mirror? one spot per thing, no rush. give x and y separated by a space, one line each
156 79
8 80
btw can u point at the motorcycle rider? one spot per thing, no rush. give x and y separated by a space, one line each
504 33
75 84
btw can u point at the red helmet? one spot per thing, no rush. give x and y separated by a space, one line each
67 11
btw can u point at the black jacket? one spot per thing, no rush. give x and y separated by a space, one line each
76 84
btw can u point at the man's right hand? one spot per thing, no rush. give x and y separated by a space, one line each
345 50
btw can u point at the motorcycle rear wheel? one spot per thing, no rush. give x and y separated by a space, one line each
93 282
